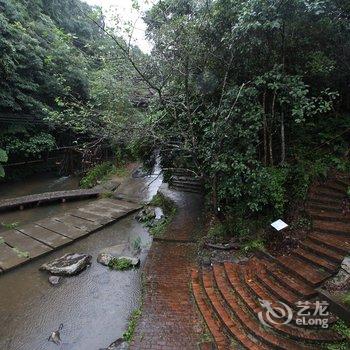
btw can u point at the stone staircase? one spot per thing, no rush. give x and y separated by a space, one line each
182 180
229 295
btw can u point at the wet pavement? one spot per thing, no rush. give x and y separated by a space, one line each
169 317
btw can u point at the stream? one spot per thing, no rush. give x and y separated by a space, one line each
94 306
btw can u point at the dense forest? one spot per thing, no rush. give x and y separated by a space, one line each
63 82
252 96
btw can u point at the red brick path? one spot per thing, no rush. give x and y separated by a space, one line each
169 318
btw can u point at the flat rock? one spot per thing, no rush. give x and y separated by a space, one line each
345 265
55 280
106 258
119 344
68 265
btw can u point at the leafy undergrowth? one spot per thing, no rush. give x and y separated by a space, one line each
96 174
120 264
344 330
129 333
100 173
158 227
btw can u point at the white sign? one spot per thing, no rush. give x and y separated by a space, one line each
279 225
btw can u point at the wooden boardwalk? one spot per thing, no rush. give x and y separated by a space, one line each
23 244
47 197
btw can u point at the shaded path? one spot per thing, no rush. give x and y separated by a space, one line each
169 318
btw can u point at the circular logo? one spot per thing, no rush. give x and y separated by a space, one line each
272 314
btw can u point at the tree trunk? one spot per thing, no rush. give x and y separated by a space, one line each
283 140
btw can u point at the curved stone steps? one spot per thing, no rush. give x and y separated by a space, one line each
322 251
232 326
337 228
333 242
309 274
329 193
252 326
249 277
315 260
298 286
329 215
221 340
296 333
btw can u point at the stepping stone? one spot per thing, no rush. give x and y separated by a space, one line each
79 223
99 219
45 236
8 258
62 228
24 243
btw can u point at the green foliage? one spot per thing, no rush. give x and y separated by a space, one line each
252 245
3 159
160 200
346 299
20 253
342 329
120 264
129 333
10 226
96 174
157 227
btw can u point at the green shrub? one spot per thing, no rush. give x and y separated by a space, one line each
120 264
97 173
129 333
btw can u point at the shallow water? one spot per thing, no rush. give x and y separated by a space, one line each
38 183
94 306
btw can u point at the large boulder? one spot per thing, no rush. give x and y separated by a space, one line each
68 265
120 251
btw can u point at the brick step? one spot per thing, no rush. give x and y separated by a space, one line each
215 327
330 193
309 274
296 333
187 179
325 200
339 228
279 292
344 183
186 189
337 243
232 326
322 251
250 324
186 184
283 294
311 206
315 260
329 215
247 274
334 187
298 286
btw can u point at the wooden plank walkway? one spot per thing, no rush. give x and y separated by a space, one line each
23 244
47 197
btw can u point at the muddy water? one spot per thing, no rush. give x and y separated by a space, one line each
94 306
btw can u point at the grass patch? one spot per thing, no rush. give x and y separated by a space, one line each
120 264
130 330
346 298
159 200
10 226
96 174
169 208
343 329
